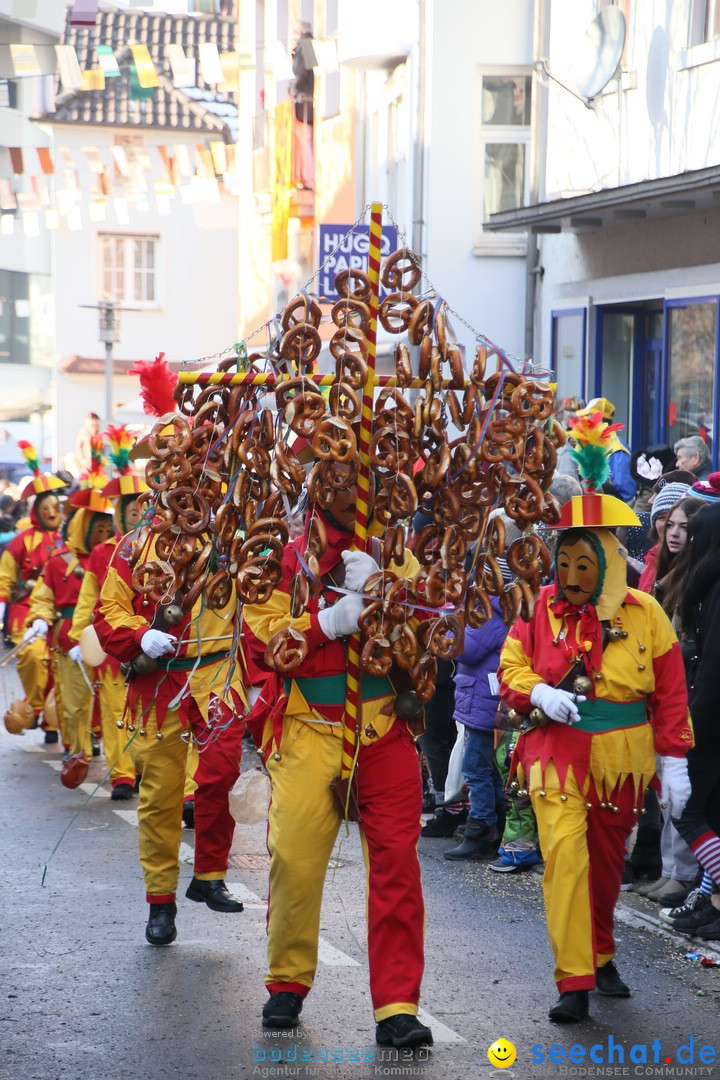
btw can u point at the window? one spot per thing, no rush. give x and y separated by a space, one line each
505 101
704 21
691 328
568 352
128 269
331 79
26 318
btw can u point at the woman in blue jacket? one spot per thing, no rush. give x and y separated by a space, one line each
476 702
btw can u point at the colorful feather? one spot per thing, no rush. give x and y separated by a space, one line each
157 383
592 440
30 454
121 443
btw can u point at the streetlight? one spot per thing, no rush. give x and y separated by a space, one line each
109 335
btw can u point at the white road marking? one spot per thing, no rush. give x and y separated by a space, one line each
127 815
56 765
333 957
441 1032
93 789
33 747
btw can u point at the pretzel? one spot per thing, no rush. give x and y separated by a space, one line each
163 518
401 416
510 601
551 510
260 544
489 575
140 541
344 401
478 609
371 620
275 526
523 500
495 535
179 550
426 347
532 399
286 472
527 557
351 340
401 270
255 458
286 650
453 548
403 367
445 507
420 322
510 380
319 488
396 310
310 310
527 600
256 580
424 676
479 364
162 444
199 564
316 536
391 449
446 638
427 544
404 645
193 511
218 590
471 520
444 586
557 433
349 312
301 345
435 469
190 596
394 547
397 498
376 657
304 412
299 595
441 330
353 284
160 475
351 368
154 579
457 372
334 440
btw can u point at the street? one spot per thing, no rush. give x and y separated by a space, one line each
84 997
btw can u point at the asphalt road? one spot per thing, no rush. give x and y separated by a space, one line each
83 997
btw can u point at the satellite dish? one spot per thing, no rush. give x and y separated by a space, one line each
599 52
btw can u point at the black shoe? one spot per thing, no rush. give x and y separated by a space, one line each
122 792
609 983
428 803
95 745
710 931
51 737
628 878
402 1031
479 842
136 785
570 1007
444 823
189 814
695 912
213 893
282 1010
160 929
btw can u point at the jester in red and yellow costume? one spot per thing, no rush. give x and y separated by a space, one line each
123 491
52 606
599 673
302 748
21 564
194 687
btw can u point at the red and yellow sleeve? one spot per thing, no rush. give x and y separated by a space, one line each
119 628
87 598
9 572
42 602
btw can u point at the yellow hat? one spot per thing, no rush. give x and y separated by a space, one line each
596 511
598 404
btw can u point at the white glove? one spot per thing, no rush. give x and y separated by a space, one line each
156 643
358 568
76 654
342 618
675 784
38 629
3 606
559 705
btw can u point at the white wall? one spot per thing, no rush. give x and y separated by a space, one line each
198 275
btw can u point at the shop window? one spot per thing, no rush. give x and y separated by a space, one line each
26 318
504 141
568 352
691 329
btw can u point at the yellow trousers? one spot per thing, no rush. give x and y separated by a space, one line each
113 691
583 843
32 669
75 701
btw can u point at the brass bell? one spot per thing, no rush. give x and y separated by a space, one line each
538 717
119 724
173 614
131 727
582 685
143 732
144 664
598 676
407 705
563 798
588 805
642 648
159 736
277 757
615 633
542 794
515 718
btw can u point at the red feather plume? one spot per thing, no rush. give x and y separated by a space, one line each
157 383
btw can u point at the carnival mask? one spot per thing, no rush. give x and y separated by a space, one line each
578 571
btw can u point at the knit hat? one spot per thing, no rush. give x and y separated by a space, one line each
709 489
674 476
668 496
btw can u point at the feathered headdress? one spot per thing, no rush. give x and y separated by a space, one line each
126 482
157 383
41 482
592 441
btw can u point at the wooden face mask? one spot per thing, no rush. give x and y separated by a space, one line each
578 570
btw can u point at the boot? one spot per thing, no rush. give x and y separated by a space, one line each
479 842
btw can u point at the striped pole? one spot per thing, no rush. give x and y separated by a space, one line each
352 701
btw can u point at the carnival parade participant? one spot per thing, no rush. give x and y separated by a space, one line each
21 564
599 671
123 491
302 747
183 677
619 474
52 604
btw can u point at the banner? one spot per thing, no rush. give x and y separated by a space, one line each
352 253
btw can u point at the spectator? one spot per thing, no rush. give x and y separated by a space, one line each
90 428
693 455
620 477
661 507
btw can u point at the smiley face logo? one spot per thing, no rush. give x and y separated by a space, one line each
501 1054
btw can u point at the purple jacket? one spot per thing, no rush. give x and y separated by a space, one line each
475 706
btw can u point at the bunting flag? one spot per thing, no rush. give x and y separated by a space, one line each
46 162
71 76
93 79
230 67
107 61
84 13
219 158
144 67
183 69
7 195
16 160
210 66
25 60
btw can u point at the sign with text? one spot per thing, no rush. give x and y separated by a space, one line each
351 253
